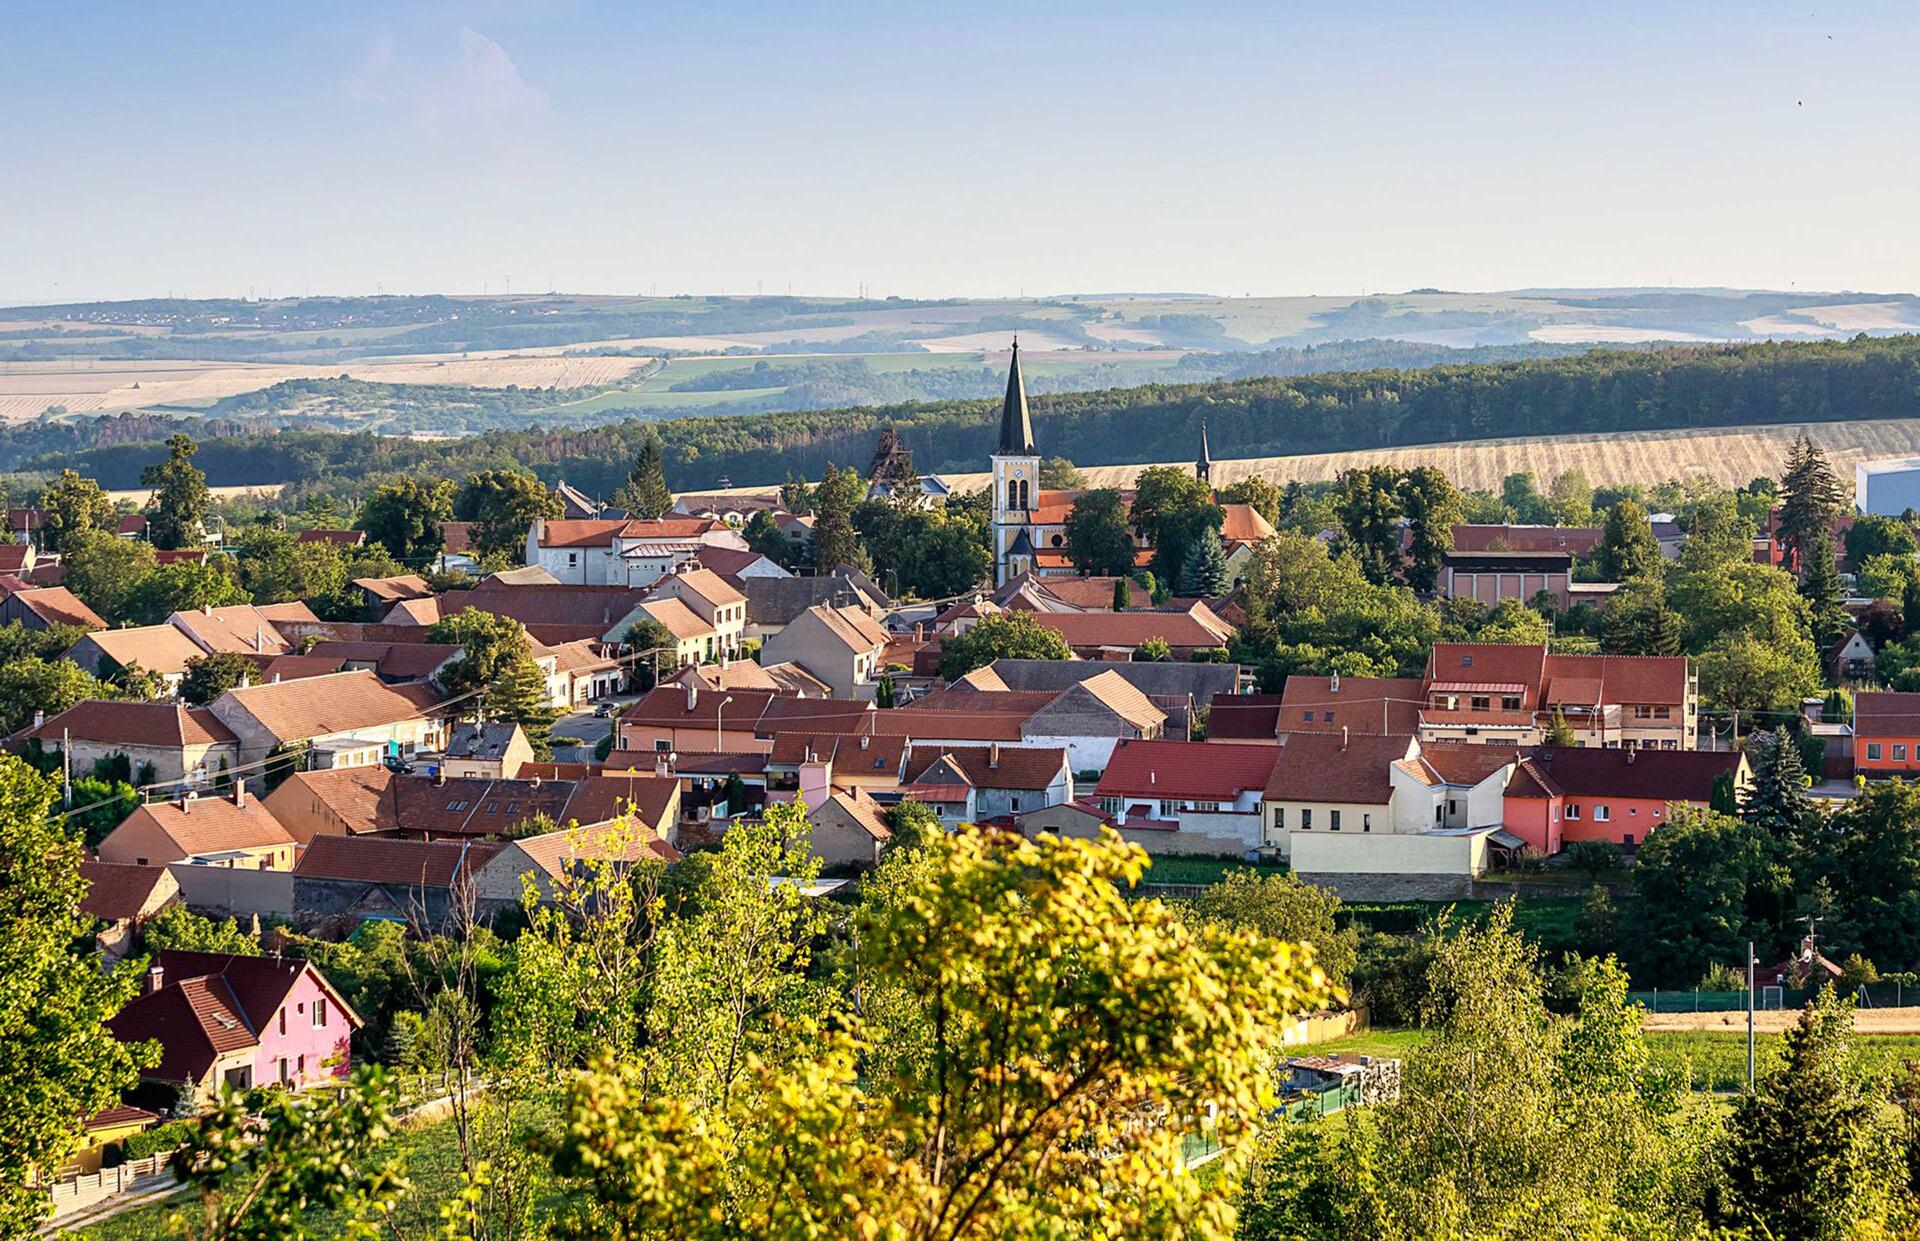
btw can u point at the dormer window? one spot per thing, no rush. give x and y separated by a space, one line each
1466 661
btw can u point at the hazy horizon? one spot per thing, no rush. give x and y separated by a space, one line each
216 150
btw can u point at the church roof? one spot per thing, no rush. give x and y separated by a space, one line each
1016 426
1205 460
1022 545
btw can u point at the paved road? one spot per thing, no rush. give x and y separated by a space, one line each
575 734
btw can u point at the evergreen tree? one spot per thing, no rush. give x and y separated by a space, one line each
1639 622
179 513
1205 573
1777 800
1796 1161
1813 498
496 659
1826 598
1627 547
1559 732
1724 798
1122 594
645 492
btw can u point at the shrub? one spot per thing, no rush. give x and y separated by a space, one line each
162 1139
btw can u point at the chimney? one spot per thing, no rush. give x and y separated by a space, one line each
864 739
993 756
1333 684
276 678
440 775
39 718
259 637
186 803
919 631
660 765
1153 777
693 693
156 978
240 794
206 609
1343 738
1631 751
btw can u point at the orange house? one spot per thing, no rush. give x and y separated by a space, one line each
1559 796
1886 734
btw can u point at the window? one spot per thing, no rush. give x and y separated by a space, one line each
1438 815
573 559
1279 818
1573 810
1335 824
1480 703
1509 703
1627 840
285 1078
1015 802
283 1021
1602 813
1307 716
1453 807
320 1011
1366 822
1873 752
1663 713
300 1066
1899 752
1326 717
456 805
1306 819
662 745
1643 713
1466 661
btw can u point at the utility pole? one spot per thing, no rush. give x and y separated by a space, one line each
1750 964
66 768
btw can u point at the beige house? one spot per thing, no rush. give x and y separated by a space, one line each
185 746
159 649
842 646
341 714
693 638
124 896
543 860
847 828
714 601
342 802
236 832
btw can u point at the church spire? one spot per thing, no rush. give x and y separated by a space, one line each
1016 428
1203 464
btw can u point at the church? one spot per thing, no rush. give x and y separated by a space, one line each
1030 524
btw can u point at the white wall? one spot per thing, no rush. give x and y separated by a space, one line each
1388 853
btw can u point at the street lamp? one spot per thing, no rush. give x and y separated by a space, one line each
719 708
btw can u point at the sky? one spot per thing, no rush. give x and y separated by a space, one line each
227 149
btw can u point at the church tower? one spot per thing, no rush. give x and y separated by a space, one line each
1203 464
1016 480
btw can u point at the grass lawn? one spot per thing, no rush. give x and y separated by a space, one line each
1205 870
1712 1061
1546 920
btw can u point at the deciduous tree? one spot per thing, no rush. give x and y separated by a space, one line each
1098 538
1010 635
180 499
404 515
73 506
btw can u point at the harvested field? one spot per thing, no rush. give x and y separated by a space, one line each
27 388
143 496
1865 1021
1734 455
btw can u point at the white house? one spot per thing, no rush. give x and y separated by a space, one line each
632 552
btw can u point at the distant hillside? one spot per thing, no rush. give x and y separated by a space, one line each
1593 393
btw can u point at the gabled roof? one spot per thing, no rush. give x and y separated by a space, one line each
852 754
1116 694
358 796
160 649
1467 765
1654 775
422 612
1243 717
56 605
242 629
1524 664
603 532
1130 630
680 620
484 740
864 811
777 600
596 607
709 585
731 675
1325 767
1382 706
1244 524
394 589
161 725
731 562
456 537
323 705
1621 678
1580 540
398 863
1886 715
120 890
992 767
399 661
1185 770
212 1003
1163 682
204 825
552 851
853 627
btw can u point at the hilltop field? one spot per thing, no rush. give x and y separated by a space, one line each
578 360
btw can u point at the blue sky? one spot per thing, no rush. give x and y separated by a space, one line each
208 149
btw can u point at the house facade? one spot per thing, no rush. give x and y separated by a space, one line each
623 552
842 646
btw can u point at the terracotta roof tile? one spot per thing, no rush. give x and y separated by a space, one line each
382 860
1382 706
1189 770
393 589
1886 715
160 724
160 649
242 629
1324 767
993 767
119 890
1129 630
57 605
211 824
1655 775
320 706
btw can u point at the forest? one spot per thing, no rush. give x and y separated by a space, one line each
1592 392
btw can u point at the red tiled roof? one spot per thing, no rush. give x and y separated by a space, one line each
1655 775
992 767
160 649
1483 662
57 605
1467 764
118 890
1323 767
405 863
1129 630
1189 770
322 705
601 532
1626 678
1243 717
850 753
211 1003
338 538
211 825
165 725
1886 715
1580 540
456 537
394 589
1382 706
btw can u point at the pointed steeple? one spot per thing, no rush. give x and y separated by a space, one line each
1203 464
1016 427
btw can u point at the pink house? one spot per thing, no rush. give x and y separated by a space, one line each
234 1021
1558 796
